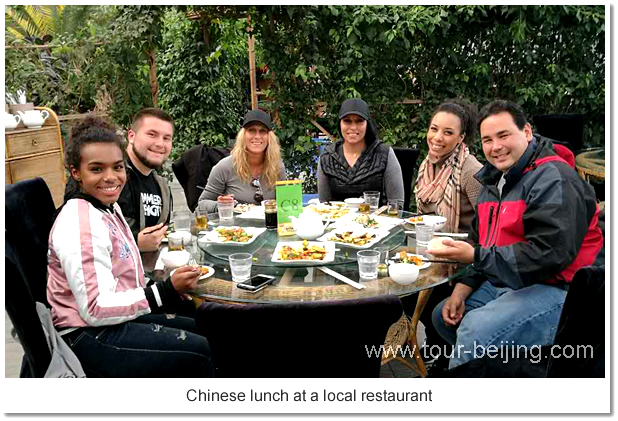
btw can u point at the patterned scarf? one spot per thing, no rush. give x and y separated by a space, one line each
443 188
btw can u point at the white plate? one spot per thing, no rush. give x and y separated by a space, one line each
164 240
326 216
423 266
256 212
437 220
212 237
211 272
244 208
328 246
348 221
379 234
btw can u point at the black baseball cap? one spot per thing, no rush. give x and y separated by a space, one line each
259 116
354 106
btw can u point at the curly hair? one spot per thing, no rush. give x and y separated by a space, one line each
465 111
272 159
91 130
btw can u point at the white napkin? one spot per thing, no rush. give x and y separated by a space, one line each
159 265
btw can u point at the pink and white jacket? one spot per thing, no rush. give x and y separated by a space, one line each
95 272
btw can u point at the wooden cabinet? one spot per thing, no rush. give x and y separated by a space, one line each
39 152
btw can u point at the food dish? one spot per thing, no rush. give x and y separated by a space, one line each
232 235
330 212
328 254
409 258
360 238
207 272
243 207
437 221
356 221
437 244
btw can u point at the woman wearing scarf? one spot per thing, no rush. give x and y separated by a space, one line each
446 184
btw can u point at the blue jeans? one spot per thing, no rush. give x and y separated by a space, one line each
153 345
501 316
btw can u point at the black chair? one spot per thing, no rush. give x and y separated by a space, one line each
581 330
565 128
301 339
29 218
407 159
193 168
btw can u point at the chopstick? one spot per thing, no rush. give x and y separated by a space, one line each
342 278
445 234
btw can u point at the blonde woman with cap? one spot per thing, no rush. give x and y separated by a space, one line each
254 166
359 161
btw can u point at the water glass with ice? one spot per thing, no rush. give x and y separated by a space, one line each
225 205
368 261
240 264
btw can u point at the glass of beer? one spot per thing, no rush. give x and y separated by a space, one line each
201 220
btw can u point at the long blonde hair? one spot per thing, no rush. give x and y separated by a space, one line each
272 159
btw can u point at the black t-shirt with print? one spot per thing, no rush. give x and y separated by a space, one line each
151 198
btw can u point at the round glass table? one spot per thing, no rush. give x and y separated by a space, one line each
305 281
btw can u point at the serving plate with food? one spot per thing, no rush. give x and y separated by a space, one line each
360 238
409 258
243 207
330 212
207 272
437 221
232 235
304 251
356 220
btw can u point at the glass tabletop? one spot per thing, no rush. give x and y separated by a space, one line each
301 282
264 245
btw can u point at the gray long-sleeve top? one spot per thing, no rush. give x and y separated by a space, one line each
223 179
392 179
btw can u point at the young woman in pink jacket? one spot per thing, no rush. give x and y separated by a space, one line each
100 302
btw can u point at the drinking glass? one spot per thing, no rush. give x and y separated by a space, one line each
373 199
395 207
382 265
225 206
368 261
201 220
174 241
240 264
424 233
270 213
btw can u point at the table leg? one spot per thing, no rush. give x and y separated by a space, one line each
421 302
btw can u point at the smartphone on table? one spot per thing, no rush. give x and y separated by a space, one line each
256 282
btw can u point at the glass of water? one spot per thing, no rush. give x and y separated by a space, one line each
368 261
240 264
373 199
225 206
424 233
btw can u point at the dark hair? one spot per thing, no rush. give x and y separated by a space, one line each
91 130
150 112
465 110
501 106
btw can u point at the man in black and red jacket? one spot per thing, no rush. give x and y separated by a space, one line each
536 224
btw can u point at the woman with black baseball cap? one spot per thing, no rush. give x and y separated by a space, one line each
254 165
359 161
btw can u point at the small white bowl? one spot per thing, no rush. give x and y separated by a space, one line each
403 273
354 202
176 258
437 221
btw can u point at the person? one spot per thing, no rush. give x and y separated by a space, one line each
146 200
359 161
254 166
535 227
446 184
96 288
